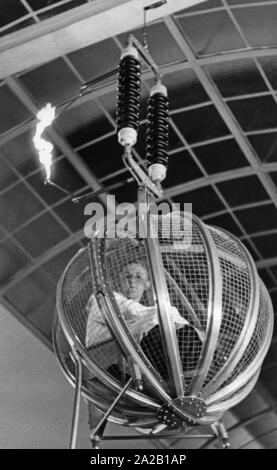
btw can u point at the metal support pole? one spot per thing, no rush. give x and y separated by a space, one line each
221 434
98 431
151 437
76 405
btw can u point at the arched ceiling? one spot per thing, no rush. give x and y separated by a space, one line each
219 62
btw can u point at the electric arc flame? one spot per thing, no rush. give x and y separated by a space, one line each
45 116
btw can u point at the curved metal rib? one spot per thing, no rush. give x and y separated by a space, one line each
214 311
125 338
234 400
166 322
246 332
250 370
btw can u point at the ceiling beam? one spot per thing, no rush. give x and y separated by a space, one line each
215 58
216 178
238 207
26 323
41 260
77 28
208 180
222 108
267 263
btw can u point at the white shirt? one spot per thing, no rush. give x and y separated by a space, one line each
139 319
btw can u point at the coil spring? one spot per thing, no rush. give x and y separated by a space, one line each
128 97
157 133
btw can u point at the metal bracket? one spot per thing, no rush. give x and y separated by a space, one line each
139 174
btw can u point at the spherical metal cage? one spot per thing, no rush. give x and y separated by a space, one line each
197 337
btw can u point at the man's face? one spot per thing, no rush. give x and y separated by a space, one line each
134 281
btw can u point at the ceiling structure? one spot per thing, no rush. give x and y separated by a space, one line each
219 62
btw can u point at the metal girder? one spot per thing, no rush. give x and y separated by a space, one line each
267 263
75 29
238 55
222 108
16 131
27 323
41 260
216 178
208 180
59 36
261 233
237 208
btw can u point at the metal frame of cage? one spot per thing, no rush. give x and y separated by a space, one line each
108 392
217 401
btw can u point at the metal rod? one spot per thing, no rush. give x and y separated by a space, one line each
49 182
68 103
221 433
165 436
99 79
108 412
93 194
214 308
76 406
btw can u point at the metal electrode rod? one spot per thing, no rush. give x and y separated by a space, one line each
106 189
99 79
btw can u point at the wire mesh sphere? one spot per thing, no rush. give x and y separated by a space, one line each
183 311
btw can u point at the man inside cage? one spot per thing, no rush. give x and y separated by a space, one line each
133 283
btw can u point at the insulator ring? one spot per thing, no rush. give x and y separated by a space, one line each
157 129
128 94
